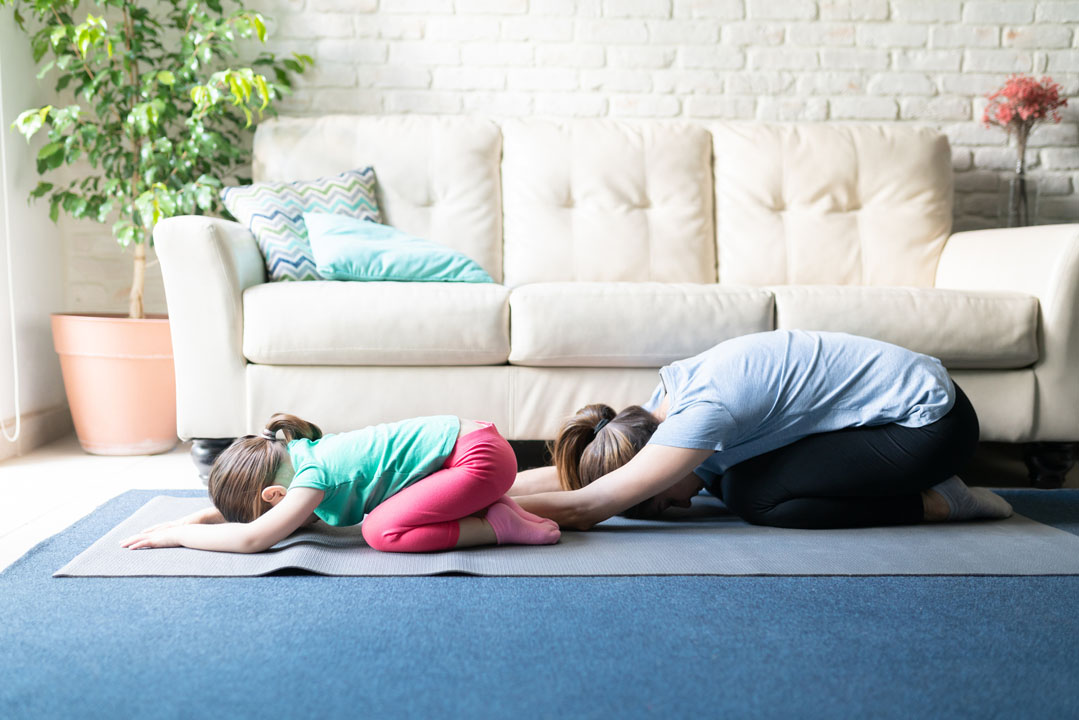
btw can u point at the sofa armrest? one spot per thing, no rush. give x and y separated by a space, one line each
206 264
1042 261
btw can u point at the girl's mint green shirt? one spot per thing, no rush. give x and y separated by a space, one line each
358 470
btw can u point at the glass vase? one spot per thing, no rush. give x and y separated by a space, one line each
1018 205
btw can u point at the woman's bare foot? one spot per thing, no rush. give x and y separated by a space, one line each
935 507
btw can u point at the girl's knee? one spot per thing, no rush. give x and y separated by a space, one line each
377 534
496 464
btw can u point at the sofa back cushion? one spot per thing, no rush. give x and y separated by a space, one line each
830 203
438 177
607 201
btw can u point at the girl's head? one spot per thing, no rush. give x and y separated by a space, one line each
249 465
596 441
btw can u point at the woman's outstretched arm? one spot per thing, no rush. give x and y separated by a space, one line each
654 469
536 480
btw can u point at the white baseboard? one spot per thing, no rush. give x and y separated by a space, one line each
38 428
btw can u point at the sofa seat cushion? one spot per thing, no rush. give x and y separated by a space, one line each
376 323
965 329
616 324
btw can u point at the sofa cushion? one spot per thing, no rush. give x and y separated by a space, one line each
629 324
376 323
815 203
349 249
602 200
274 213
965 329
437 176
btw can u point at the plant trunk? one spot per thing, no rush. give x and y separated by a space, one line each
138 283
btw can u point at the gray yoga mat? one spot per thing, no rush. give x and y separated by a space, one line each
704 540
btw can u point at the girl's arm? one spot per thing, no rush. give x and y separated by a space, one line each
537 480
651 471
206 516
271 527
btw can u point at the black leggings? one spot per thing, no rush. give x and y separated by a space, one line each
857 477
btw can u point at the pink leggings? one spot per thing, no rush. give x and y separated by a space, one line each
424 516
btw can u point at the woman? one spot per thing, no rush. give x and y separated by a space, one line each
789 428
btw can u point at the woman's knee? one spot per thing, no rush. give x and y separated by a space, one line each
744 498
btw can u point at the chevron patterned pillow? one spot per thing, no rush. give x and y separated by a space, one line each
274 213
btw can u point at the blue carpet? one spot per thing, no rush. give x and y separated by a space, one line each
308 646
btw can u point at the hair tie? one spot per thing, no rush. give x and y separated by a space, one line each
268 434
599 426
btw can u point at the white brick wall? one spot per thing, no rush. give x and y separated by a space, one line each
928 62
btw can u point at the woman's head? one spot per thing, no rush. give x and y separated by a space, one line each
597 441
248 466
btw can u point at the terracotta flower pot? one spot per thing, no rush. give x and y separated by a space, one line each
120 382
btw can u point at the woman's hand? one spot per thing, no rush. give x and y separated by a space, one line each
651 471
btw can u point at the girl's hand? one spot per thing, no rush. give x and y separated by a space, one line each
160 538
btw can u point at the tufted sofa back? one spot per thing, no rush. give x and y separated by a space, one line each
606 200
599 200
826 204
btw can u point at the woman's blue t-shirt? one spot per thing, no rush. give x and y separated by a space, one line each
755 393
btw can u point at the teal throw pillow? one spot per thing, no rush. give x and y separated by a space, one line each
346 248
274 213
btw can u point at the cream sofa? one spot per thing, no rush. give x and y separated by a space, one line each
616 247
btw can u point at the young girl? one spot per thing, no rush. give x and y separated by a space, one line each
789 428
418 485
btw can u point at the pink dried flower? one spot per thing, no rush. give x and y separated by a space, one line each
1023 102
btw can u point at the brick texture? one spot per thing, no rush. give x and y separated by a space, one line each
925 62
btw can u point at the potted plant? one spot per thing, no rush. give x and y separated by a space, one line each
157 119
1018 107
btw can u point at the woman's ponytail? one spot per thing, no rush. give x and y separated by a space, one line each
293 427
573 437
596 441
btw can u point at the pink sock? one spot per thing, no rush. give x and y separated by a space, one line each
512 529
524 514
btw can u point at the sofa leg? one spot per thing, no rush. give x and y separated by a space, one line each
1049 462
203 453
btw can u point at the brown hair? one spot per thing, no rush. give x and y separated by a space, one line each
249 464
587 447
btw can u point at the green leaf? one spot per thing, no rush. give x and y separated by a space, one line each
30 121
45 69
166 78
260 26
39 46
41 189
49 150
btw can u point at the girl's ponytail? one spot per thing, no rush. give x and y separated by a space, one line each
293 427
597 441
